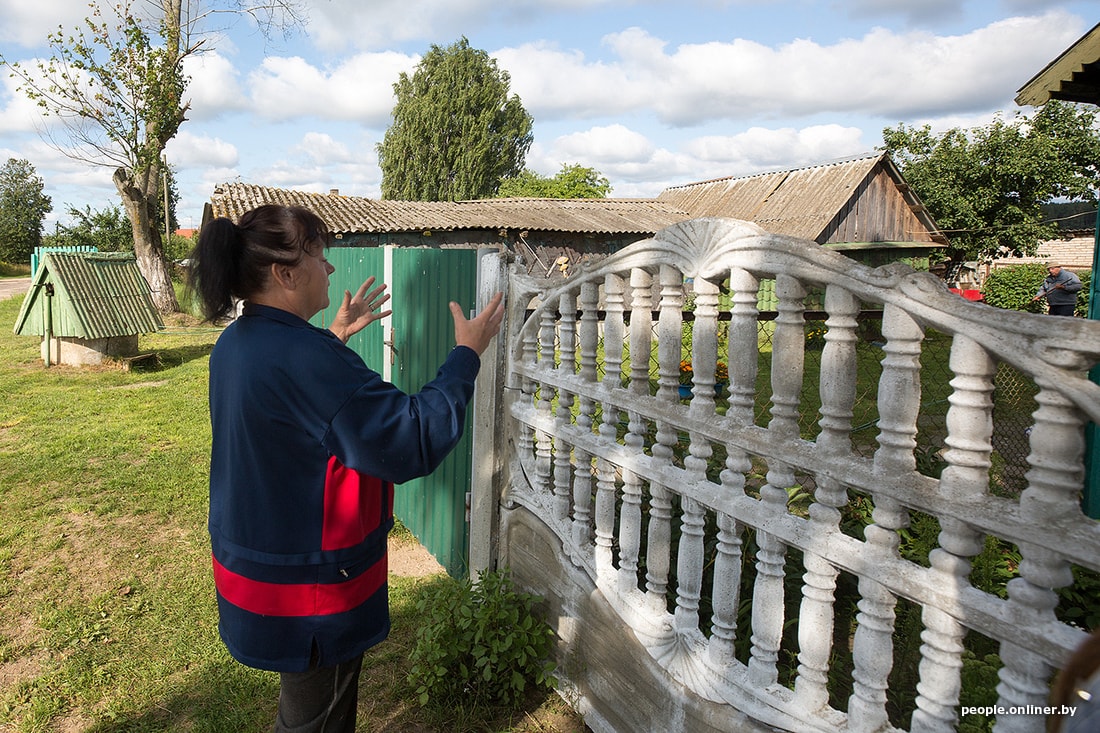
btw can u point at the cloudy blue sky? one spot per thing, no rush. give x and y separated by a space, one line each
650 93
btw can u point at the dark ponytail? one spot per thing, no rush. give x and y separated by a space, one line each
233 261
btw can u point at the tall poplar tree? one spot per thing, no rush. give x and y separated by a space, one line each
456 130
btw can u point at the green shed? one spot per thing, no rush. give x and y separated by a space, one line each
87 306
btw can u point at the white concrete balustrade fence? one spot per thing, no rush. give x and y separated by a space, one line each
631 509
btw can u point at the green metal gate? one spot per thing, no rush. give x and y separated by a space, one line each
353 266
407 351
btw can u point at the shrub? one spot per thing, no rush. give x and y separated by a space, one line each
480 645
1082 308
1014 287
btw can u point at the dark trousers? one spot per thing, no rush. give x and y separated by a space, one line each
322 700
1062 310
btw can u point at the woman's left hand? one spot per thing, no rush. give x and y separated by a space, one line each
358 312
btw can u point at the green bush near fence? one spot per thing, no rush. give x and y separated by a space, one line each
479 644
1014 287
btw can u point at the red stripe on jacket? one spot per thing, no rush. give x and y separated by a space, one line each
355 506
298 599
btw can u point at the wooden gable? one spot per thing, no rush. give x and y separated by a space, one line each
862 199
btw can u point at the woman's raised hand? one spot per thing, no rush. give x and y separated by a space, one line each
358 311
477 332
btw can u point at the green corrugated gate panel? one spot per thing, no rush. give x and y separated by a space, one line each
353 266
421 284
424 281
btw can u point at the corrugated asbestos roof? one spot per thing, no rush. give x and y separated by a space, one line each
352 214
96 295
799 202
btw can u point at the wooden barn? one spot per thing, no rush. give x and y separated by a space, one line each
88 307
861 205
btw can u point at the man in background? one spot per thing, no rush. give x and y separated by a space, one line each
1060 289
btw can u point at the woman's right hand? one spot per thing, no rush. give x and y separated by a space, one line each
477 332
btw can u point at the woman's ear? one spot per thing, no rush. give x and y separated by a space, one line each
283 275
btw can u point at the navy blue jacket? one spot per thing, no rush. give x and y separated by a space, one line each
307 444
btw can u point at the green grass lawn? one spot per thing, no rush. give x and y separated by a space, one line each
109 622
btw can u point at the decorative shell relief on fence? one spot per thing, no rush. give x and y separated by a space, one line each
699 459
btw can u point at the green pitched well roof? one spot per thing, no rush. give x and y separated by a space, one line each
96 295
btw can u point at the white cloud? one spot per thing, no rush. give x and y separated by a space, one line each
187 150
884 74
29 23
758 149
320 162
17 112
360 88
322 149
612 144
638 167
214 87
556 84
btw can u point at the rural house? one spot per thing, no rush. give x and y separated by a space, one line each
852 205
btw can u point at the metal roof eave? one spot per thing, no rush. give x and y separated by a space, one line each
1049 83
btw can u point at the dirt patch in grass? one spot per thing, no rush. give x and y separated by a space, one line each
20 658
410 559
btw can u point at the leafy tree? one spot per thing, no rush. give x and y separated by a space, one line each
456 132
23 207
571 182
984 186
117 89
108 230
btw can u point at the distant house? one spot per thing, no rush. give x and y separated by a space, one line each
88 306
540 229
1074 246
861 205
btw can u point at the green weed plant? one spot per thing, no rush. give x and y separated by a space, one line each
480 645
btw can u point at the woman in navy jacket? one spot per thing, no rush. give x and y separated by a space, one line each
307 444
